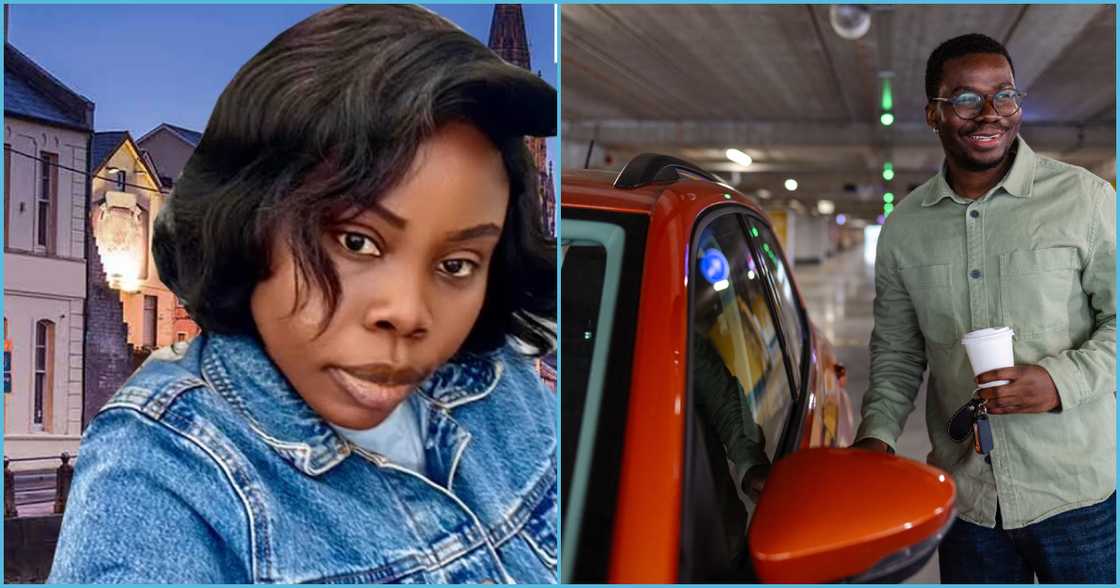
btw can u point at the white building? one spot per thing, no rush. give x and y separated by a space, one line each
47 134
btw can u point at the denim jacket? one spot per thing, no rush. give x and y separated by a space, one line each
210 468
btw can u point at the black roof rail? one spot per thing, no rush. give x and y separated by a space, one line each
650 168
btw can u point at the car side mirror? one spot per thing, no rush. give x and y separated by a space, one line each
849 515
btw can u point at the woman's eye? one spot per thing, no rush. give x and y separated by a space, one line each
458 268
359 244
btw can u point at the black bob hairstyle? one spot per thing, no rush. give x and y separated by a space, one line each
326 119
959 47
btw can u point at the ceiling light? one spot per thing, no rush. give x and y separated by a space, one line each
826 206
791 184
739 157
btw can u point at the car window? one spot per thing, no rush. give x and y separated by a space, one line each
792 323
740 400
601 265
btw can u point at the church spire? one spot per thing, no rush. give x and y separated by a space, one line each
507 35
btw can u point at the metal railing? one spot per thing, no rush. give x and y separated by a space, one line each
63 475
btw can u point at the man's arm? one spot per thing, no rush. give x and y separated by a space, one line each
897 357
1088 372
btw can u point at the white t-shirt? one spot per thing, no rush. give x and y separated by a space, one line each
399 437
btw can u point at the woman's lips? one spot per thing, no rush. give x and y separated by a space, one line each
368 393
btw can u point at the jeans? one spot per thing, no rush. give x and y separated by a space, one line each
1078 546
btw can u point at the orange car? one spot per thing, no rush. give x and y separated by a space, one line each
702 410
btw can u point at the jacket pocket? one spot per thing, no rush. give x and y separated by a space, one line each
540 530
1035 289
931 292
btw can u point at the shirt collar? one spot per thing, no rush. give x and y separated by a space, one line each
240 371
1018 182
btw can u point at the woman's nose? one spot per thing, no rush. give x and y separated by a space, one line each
401 308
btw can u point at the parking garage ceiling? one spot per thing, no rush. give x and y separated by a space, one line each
778 83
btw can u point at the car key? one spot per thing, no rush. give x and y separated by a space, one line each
982 431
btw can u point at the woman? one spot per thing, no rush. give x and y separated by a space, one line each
358 235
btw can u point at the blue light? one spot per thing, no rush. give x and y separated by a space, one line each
714 266
841 219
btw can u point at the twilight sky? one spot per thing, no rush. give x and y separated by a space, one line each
142 65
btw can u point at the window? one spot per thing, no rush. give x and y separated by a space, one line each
740 400
602 256
793 325
44 375
122 176
45 201
180 336
150 316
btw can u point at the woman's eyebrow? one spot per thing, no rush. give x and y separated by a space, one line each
483 230
392 219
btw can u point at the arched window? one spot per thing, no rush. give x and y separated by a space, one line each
44 375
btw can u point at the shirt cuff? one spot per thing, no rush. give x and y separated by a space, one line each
869 429
1067 378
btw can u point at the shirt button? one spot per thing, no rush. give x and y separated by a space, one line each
974 213
975 274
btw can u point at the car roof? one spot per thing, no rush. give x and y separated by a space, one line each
594 189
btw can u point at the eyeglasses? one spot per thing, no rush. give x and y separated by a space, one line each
969 105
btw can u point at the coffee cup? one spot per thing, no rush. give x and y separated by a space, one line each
990 349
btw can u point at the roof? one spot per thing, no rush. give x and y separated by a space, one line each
192 138
105 144
595 189
32 92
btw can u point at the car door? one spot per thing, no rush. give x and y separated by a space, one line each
743 391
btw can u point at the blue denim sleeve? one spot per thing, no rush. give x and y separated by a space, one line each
149 505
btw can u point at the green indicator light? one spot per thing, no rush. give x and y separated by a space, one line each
766 246
726 196
754 232
887 119
887 208
888 197
888 171
888 103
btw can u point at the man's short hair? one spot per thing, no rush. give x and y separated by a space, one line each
959 47
326 119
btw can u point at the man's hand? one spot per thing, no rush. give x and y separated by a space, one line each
1030 389
872 444
755 480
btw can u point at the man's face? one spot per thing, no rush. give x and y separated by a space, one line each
984 142
413 272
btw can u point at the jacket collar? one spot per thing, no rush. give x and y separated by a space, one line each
1018 182
238 368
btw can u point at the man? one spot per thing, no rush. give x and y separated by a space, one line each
1003 237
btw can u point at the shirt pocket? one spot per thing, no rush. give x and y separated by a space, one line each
931 292
1035 289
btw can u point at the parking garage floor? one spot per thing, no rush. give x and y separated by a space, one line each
839 294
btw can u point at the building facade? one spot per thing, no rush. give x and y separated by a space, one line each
170 147
126 197
47 138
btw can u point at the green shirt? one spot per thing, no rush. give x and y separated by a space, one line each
1036 253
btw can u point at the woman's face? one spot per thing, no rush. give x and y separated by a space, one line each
413 272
